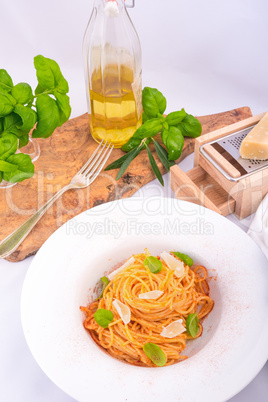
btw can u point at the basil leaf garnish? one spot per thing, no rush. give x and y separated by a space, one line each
105 282
155 353
184 257
103 317
153 264
192 325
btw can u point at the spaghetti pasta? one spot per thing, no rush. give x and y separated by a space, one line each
176 299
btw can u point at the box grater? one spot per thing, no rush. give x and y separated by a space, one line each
231 144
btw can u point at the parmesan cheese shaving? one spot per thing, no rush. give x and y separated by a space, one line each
123 311
173 263
130 261
174 329
152 295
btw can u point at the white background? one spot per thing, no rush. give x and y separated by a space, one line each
206 56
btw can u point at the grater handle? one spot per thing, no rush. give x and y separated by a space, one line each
222 162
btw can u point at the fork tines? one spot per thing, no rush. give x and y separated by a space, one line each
97 160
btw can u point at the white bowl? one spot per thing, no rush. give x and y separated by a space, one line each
64 274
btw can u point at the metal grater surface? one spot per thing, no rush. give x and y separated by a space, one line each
232 143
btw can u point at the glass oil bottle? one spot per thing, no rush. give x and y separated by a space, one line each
112 64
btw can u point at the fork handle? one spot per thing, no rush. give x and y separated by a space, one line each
12 241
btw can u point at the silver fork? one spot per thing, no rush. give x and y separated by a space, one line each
86 175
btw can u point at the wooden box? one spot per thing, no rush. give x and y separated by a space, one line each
206 185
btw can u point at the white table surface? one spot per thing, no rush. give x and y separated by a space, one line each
205 56
21 378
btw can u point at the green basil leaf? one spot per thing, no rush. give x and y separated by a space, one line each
184 257
130 156
164 135
165 125
24 168
163 155
192 325
155 353
23 93
23 140
6 83
149 129
28 117
153 102
48 116
145 117
8 146
1 177
103 317
7 103
49 76
131 144
174 143
153 263
63 102
154 166
11 125
7 167
175 118
190 127
105 282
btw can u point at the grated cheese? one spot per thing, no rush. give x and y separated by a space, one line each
152 295
130 261
174 329
173 263
123 311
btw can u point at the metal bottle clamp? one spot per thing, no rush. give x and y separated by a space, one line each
131 5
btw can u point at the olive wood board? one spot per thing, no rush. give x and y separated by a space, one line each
62 155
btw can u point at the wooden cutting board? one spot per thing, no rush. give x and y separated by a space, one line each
62 155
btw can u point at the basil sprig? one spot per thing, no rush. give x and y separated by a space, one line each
21 109
192 325
174 127
153 263
155 353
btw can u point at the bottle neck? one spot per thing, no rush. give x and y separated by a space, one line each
110 4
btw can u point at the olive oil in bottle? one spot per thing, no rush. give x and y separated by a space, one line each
115 104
